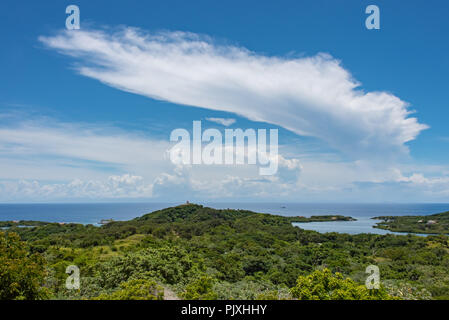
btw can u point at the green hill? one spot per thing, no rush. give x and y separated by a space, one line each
429 224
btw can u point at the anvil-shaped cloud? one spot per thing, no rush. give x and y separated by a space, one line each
312 96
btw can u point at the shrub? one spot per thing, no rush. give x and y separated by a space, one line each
200 289
323 285
137 289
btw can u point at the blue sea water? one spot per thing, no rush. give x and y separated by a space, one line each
362 212
93 212
78 212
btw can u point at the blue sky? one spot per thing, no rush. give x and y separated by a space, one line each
68 136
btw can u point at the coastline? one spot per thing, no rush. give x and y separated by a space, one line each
364 214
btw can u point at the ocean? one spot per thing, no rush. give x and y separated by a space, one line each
92 213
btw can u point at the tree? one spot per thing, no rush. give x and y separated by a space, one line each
323 285
200 289
22 274
137 289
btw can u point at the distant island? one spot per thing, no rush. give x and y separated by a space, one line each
429 224
323 218
22 223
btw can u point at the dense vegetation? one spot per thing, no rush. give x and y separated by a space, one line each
194 252
431 224
323 285
21 273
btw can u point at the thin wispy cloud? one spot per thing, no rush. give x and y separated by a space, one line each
77 141
313 96
223 121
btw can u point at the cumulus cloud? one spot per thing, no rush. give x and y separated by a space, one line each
115 187
45 159
419 186
223 121
231 181
312 96
438 183
174 185
289 170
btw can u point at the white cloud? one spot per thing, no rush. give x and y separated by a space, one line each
304 180
115 187
313 96
47 149
223 121
44 160
419 179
